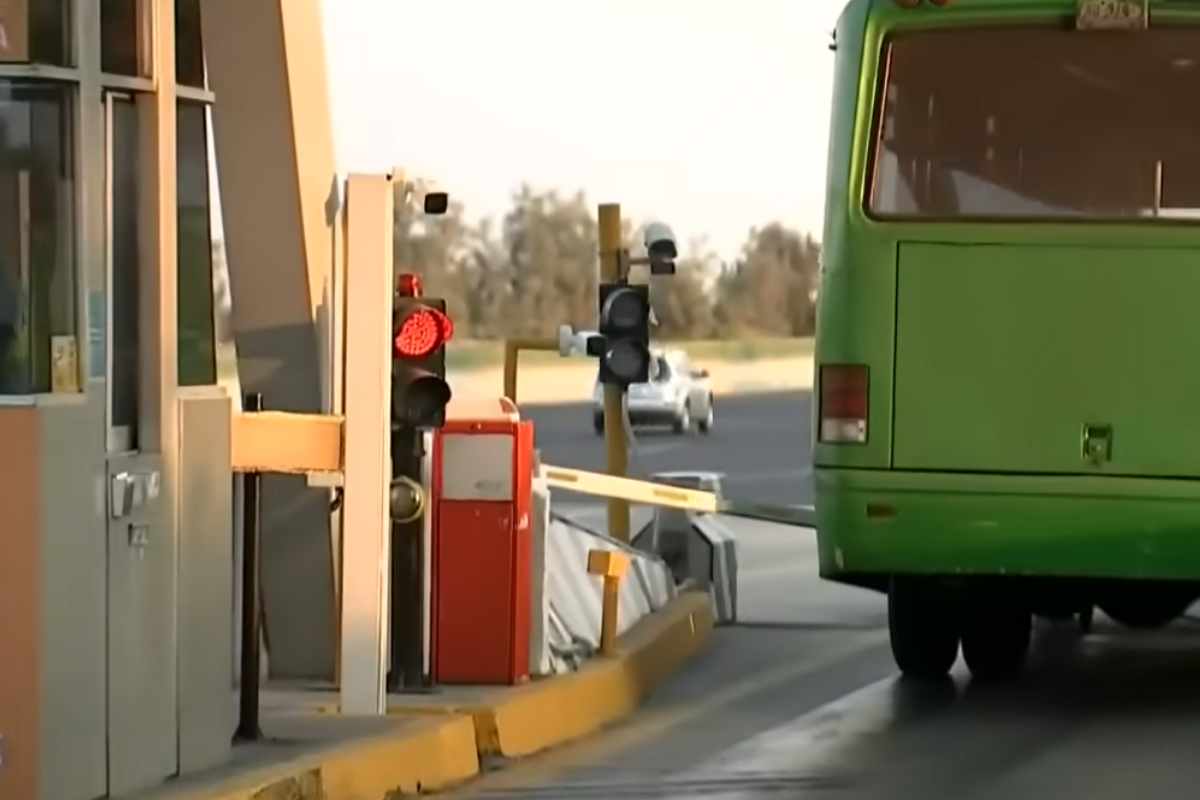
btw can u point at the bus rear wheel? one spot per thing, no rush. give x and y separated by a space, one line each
923 627
995 638
1147 606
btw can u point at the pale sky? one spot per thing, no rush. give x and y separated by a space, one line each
709 115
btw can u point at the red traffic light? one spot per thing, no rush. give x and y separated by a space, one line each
422 332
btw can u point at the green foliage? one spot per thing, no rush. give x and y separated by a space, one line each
535 269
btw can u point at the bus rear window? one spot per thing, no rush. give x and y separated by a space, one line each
1038 123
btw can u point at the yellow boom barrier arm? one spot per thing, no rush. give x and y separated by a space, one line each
634 491
661 494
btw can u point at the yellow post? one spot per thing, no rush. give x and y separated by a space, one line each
512 349
510 369
610 566
609 225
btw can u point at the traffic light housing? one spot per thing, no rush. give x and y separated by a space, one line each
623 346
420 330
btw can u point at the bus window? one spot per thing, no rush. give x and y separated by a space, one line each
1035 122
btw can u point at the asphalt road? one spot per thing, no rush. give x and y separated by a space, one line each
761 442
801 700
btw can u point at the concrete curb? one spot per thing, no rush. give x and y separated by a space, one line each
428 755
556 710
446 747
552 711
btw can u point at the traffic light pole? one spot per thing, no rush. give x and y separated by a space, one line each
407 641
609 225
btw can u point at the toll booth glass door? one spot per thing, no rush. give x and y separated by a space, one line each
122 320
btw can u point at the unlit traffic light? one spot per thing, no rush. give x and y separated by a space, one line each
623 346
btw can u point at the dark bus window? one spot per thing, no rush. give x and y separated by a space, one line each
1025 122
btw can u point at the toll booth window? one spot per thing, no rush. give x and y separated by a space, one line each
197 346
37 233
37 32
189 48
121 37
1038 122
124 257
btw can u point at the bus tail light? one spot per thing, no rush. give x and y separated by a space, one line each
843 403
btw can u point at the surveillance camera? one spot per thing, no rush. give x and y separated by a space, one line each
660 242
436 203
661 248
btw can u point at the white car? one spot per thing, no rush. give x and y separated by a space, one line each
679 394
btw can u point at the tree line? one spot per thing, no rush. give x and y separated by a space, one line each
535 268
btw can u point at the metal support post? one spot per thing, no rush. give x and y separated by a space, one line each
512 350
248 729
609 228
610 566
407 640
367 444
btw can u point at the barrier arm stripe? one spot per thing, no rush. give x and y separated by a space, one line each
635 491
600 484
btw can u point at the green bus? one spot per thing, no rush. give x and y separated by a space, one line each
1007 401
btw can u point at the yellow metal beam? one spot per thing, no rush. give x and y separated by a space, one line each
277 441
512 350
630 490
611 566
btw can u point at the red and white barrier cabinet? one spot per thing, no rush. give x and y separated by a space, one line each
481 497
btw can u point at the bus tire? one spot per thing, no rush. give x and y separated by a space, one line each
995 639
1148 607
922 627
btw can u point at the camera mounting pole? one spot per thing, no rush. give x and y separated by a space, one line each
614 267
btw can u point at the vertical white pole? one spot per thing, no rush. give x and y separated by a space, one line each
366 405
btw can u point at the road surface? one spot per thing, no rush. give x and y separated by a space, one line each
802 701
761 442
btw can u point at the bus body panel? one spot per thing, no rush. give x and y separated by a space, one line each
881 521
990 346
1007 357
848 294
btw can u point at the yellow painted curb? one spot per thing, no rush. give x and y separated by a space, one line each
443 744
556 710
430 754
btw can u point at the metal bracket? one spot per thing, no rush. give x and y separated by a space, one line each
129 491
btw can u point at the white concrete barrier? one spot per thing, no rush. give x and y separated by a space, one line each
567 600
699 547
